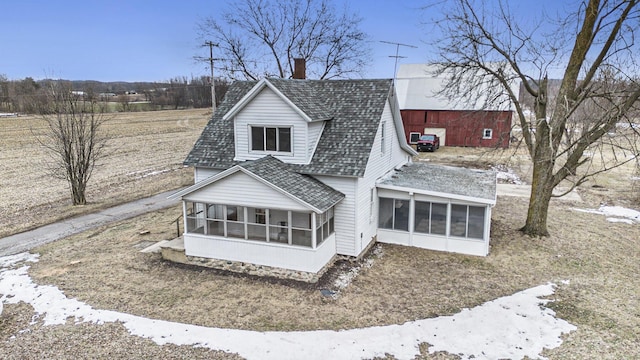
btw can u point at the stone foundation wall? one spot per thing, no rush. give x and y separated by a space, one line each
178 255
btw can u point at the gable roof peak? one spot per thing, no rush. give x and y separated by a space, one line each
355 108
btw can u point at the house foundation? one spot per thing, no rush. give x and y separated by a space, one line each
174 251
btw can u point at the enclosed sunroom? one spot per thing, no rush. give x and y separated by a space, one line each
261 212
437 207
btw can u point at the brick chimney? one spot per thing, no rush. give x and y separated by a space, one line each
299 68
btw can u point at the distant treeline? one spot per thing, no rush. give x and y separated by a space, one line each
28 96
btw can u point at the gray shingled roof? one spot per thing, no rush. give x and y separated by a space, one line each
303 187
304 97
354 106
479 184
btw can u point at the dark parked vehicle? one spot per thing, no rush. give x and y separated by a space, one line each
428 142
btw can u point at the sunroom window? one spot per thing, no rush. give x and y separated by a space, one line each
393 214
325 226
259 224
235 221
301 229
256 224
430 218
467 221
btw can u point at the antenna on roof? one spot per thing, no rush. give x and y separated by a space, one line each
395 66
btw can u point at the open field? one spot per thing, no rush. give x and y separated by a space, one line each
104 268
145 154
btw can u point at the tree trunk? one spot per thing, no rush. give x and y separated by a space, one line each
78 194
541 191
543 163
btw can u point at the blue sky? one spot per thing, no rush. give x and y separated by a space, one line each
140 40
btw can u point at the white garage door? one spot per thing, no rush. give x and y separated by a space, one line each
441 132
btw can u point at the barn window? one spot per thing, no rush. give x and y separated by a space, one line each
414 137
487 133
271 139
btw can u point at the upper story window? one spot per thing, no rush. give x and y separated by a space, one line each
265 138
487 133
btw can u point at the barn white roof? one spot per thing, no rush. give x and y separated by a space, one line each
417 87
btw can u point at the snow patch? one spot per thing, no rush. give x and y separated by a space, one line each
141 174
344 279
615 214
506 175
514 327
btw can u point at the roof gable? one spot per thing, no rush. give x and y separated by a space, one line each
279 176
355 108
296 97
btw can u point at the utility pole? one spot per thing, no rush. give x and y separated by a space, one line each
213 83
395 66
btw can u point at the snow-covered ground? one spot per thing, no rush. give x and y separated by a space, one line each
509 327
615 214
506 175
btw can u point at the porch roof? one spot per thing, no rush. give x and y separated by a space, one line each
445 181
305 189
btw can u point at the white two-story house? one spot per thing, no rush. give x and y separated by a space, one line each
291 173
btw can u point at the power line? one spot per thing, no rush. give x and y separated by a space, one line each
396 56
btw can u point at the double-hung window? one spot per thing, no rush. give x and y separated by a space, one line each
264 138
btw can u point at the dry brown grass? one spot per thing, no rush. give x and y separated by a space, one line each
105 269
145 155
600 259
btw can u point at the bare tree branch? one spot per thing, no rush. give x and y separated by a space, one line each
485 49
260 38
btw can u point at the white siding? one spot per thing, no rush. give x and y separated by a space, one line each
268 109
315 130
241 189
347 241
200 174
378 165
261 253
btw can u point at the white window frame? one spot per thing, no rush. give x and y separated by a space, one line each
411 133
264 139
487 133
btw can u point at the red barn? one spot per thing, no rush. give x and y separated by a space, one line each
425 113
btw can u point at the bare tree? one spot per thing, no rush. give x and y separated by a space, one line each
74 137
260 38
177 92
5 103
125 102
593 51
